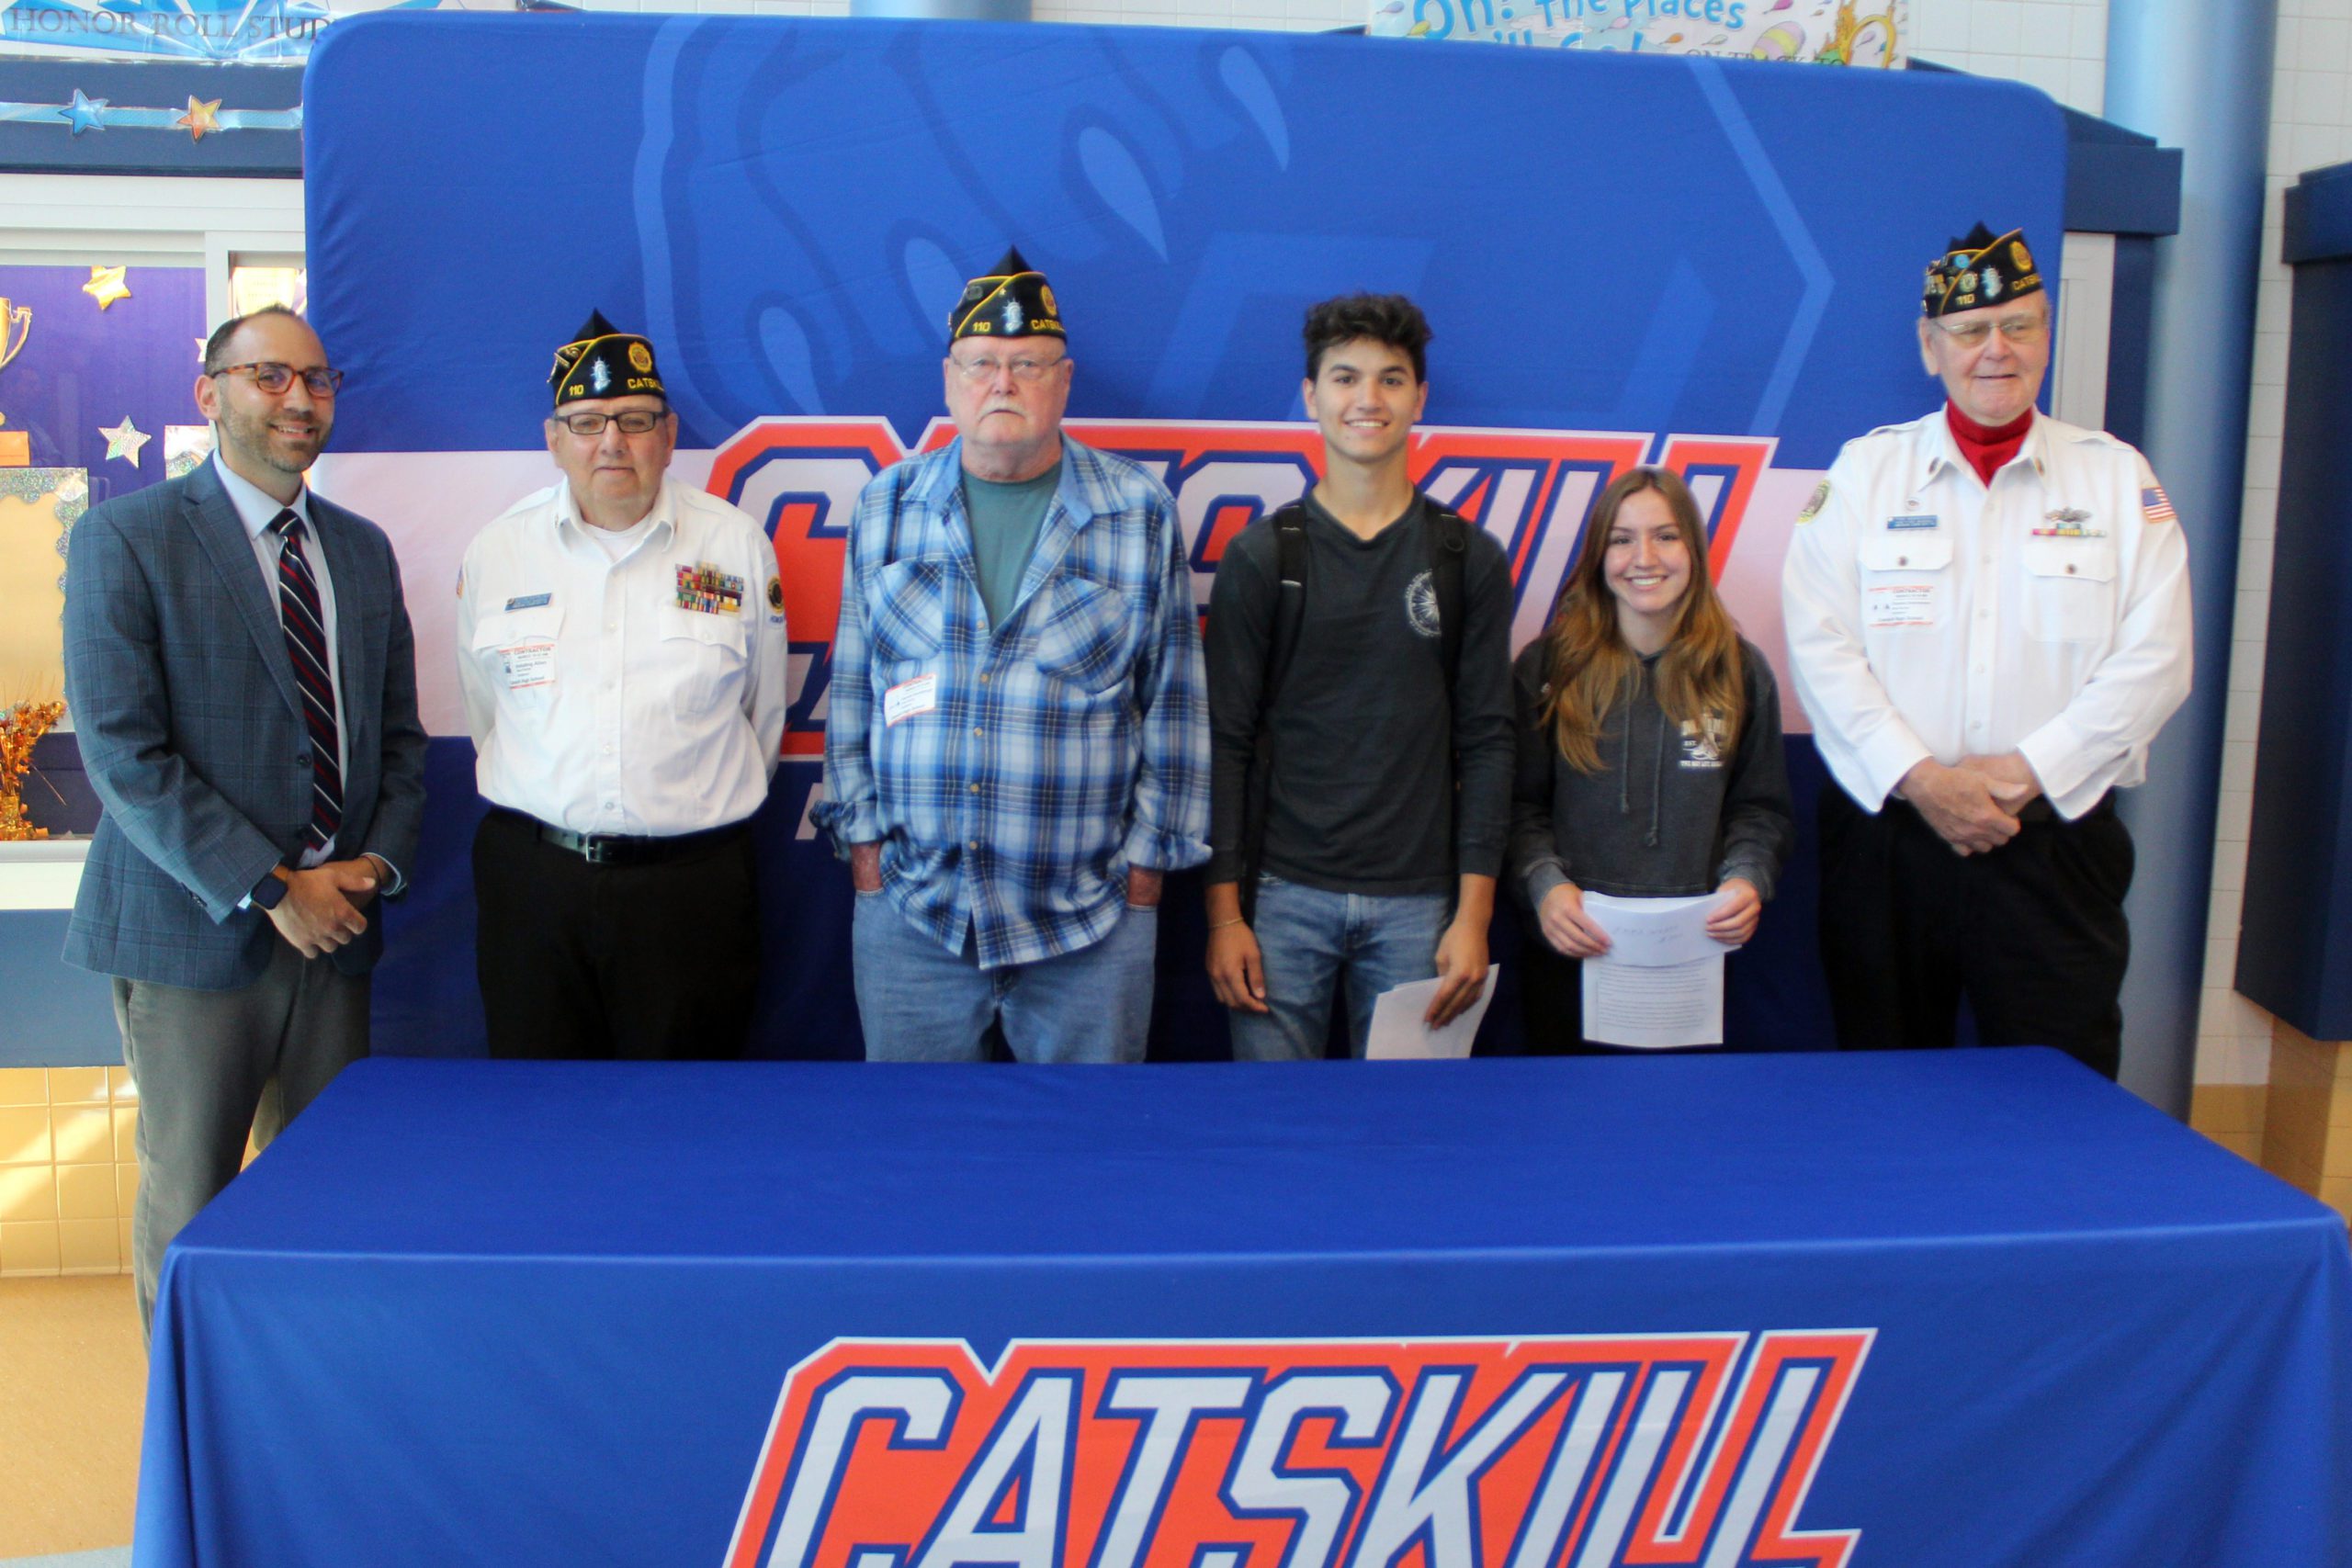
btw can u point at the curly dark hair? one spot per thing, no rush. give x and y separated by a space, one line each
1383 318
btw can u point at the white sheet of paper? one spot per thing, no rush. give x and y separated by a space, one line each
1398 1035
1655 1005
1662 981
1651 932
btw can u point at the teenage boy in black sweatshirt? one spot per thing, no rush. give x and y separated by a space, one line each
1359 670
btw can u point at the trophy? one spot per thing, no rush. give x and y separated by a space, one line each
16 326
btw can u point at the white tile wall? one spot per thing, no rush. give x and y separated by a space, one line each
2059 46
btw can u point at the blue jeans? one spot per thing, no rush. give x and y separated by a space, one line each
917 1002
1306 937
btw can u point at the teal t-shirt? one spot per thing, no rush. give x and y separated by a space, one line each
1005 521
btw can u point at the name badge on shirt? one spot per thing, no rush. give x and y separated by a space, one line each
705 588
528 664
909 698
529 600
1903 605
1915 520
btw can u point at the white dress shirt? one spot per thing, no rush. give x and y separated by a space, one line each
1929 614
615 695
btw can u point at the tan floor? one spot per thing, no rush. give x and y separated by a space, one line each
72 1383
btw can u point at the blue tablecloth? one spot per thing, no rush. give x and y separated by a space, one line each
1954 1308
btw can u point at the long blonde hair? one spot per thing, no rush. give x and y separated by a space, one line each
1592 670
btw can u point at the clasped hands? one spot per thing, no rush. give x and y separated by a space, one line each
320 910
1973 807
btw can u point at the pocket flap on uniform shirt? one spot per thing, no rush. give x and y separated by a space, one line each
1906 552
508 627
2084 560
718 631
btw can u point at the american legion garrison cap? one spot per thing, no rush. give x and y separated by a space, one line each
1012 301
602 362
1982 269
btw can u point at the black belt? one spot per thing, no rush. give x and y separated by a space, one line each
618 849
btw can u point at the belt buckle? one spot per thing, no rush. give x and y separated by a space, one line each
595 850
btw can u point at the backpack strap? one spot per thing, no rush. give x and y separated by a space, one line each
1290 602
1281 647
1448 534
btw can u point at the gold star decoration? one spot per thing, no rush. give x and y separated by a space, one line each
124 441
106 285
200 118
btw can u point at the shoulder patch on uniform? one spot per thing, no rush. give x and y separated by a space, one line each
2156 505
775 595
1820 499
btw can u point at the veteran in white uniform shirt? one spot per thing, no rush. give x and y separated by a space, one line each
622 653
1988 621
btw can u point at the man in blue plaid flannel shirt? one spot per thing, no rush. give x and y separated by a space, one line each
1017 745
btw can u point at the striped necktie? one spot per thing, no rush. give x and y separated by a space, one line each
306 645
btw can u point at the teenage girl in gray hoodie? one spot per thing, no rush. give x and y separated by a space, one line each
1650 748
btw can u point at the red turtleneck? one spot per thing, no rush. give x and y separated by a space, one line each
1986 447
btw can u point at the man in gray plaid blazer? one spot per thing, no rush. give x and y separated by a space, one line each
239 668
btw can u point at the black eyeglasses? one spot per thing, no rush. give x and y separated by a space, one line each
272 377
635 421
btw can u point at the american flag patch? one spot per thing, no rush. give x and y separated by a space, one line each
2158 505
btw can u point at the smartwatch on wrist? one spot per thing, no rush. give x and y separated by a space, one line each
270 891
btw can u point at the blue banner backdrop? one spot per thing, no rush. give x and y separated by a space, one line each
1709 264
